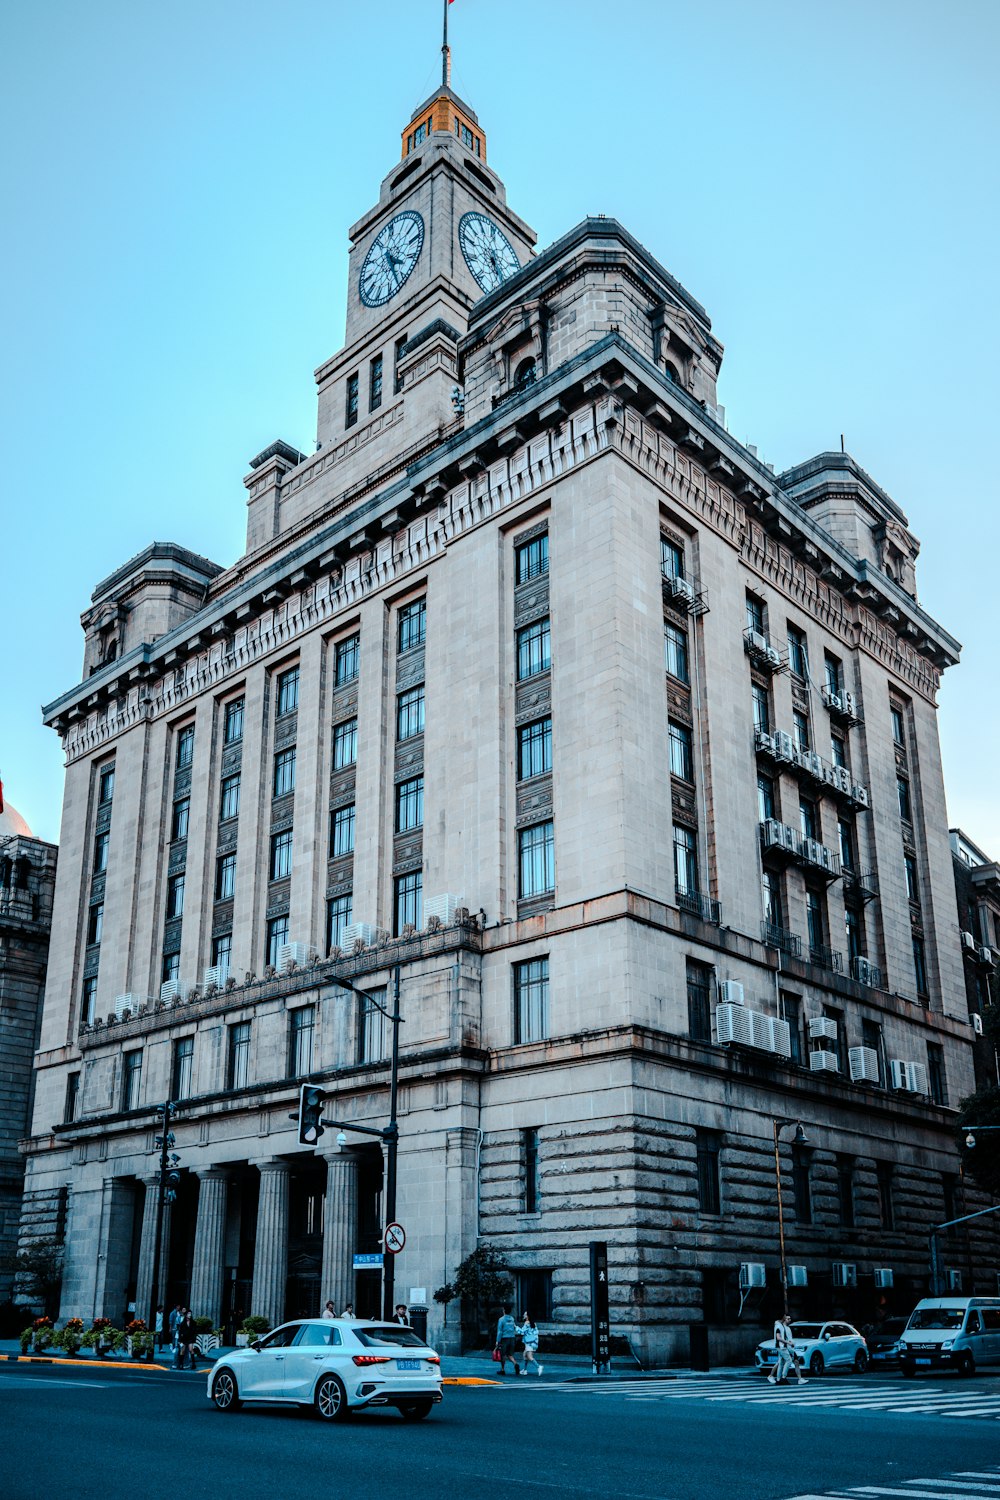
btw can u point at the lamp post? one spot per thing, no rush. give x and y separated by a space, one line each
778 1124
165 1193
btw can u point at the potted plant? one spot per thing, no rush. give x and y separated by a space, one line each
252 1327
132 1329
71 1335
26 1336
42 1330
141 1343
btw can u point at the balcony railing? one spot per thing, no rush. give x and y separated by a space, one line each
859 885
827 958
786 942
780 748
685 594
697 905
865 972
762 653
842 705
788 846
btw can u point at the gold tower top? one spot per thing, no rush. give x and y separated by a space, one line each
444 112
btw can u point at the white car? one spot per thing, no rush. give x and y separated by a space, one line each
337 1366
820 1346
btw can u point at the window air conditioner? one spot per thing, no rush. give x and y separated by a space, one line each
798 1276
968 941
756 642
850 705
845 1273
444 907
732 1024
773 656
823 1062
860 795
863 1062
128 1002
358 932
784 745
985 956
681 588
883 1277
911 1077
823 1027
293 953
752 1273
170 989
731 992
842 779
977 1022
833 701
954 1279
763 741
216 974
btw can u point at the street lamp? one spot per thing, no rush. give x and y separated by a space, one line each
935 1253
778 1124
970 1139
165 1193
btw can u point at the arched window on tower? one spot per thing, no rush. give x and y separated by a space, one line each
525 374
671 373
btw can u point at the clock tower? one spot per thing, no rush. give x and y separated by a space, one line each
440 237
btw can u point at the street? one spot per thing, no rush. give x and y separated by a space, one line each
88 1432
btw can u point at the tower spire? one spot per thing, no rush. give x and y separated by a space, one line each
445 52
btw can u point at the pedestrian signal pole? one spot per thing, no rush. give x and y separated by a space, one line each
166 1192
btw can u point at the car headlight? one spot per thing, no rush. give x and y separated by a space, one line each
948 1343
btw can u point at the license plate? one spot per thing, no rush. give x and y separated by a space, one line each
922 1361
407 1364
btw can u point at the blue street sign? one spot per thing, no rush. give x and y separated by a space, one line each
368 1262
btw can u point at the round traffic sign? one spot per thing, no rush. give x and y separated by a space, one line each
395 1238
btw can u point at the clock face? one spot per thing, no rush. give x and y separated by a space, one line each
392 256
488 252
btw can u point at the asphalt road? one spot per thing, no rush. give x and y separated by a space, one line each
95 1433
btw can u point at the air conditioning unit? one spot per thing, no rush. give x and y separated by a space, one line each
780 836
781 1036
833 701
823 1062
217 974
883 1277
845 1273
798 1276
863 1064
812 762
850 705
732 1024
444 907
985 956
681 588
757 642
293 953
860 794
356 932
773 656
911 1077
763 741
953 1279
170 989
731 992
822 1027
128 1002
842 779
752 1273
784 745
968 941
977 1022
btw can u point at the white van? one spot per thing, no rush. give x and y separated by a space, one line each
957 1333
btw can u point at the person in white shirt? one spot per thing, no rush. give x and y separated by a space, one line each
784 1341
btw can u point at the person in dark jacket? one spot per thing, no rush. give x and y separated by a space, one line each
507 1332
186 1335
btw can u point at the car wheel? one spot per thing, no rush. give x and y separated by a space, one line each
966 1364
860 1362
817 1364
415 1411
331 1399
224 1392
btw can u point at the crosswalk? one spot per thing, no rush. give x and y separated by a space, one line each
967 1484
847 1394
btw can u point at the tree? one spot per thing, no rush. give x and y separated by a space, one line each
482 1282
38 1272
982 1161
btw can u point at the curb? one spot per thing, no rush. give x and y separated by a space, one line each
467 1380
83 1364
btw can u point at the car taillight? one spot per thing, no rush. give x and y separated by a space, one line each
371 1359
433 1359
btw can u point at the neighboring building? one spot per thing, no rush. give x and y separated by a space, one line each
977 888
27 883
538 685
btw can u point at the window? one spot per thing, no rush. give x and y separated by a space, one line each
288 691
410 804
409 901
903 795
233 726
765 798
534 1292
707 1150
95 922
801 1186
675 644
840 1044
89 1006
185 747
845 1191
815 923
277 937
106 785
345 744
170 969
671 559
225 876
949 1187
756 619
854 933
800 730
838 751
920 967
375 383
175 896
531 1000
413 625
936 1082
338 916
534 749
770 885
534 650
101 843
883 1181
351 403
238 1059
371 1027
798 652
180 819
685 859
833 673
301 1027
536 861
681 759
347 656
912 888
72 1101
281 855
131 1079
808 818
222 950
531 559
397 379
183 1068
529 1155
845 833
284 772
229 806
699 998
871 1037
410 713
342 831
760 702
898 725
791 1011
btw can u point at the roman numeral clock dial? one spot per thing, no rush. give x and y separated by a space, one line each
391 258
488 252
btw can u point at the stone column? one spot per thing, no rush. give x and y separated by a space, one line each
144 1279
209 1237
270 1259
340 1229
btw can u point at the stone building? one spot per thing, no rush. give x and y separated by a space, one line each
977 890
27 882
537 686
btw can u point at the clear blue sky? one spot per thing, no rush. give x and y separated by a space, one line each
178 182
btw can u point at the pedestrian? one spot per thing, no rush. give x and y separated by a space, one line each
328 1310
176 1313
348 1310
401 1315
158 1333
507 1331
186 1335
786 1360
529 1333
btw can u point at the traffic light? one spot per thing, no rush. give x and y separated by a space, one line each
310 1114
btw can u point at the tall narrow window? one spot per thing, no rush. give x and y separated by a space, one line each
910 870
233 726
871 1037
301 1028
175 896
761 707
371 1027
801 1184
410 804
815 925
413 625
398 352
770 885
798 652
845 834
675 645
765 798
409 901
375 383
72 1102
534 650
699 1000
185 747
347 656
277 937
903 797
531 558
707 1151
671 559
800 730
681 757
106 785
534 749
229 804
838 751
225 876
281 855
182 1073
284 772
89 1005
529 1152
791 1011
101 843
238 1058
809 818
288 691
179 820
883 1178
833 674
170 968
131 1079
338 916
854 932
898 724
410 713
936 1083
342 831
685 860
755 614
920 966
345 744
531 1000
222 950
351 401
95 922
536 860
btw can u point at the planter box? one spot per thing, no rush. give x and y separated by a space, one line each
243 1340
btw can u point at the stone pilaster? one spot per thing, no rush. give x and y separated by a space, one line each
209 1236
270 1264
340 1228
144 1280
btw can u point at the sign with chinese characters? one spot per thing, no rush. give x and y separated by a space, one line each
600 1326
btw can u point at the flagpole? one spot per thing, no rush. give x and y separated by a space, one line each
445 51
